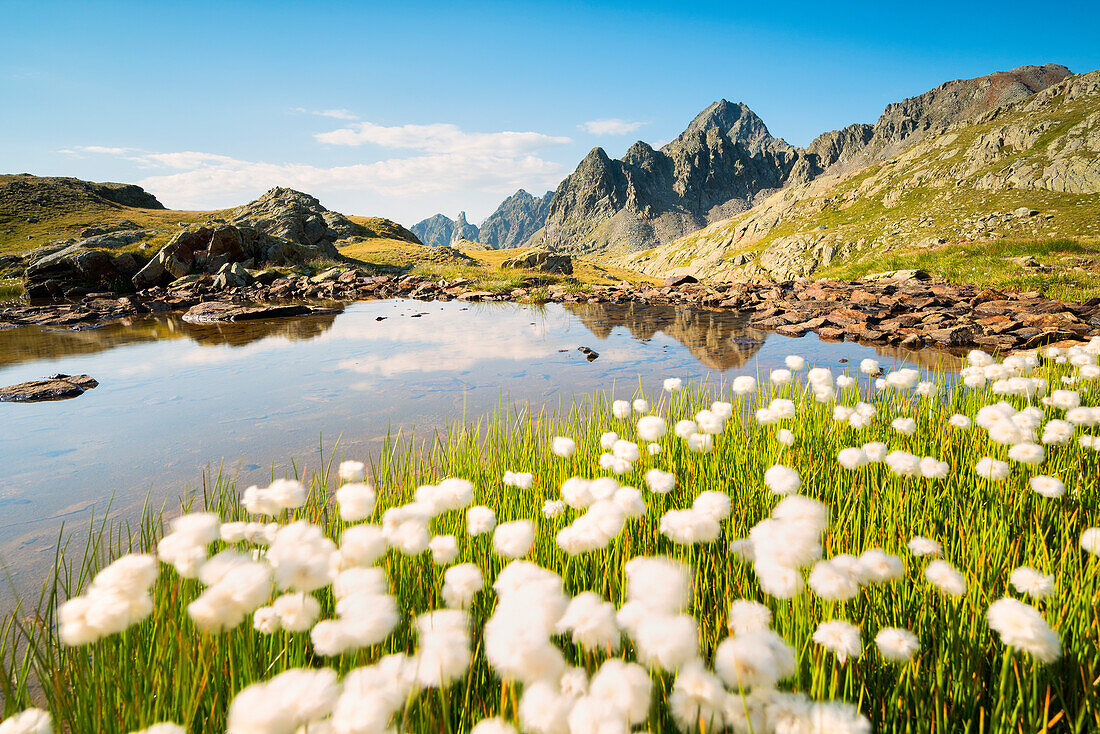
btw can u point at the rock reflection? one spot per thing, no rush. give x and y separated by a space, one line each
721 340
28 343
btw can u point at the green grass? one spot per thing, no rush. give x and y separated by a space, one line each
962 680
989 264
10 289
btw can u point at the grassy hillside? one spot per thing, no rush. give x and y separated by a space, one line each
956 191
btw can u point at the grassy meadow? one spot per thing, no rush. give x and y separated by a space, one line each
963 677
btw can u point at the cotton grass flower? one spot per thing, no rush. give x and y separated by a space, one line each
689 527
701 443
480 519
651 427
361 545
297 612
552 508
697 701
28 721
282 494
591 623
444 549
782 480
852 458
869 367
460 584
746 615
743 384
299 697
780 376
443 651
756 659
833 582
1021 626
785 437
519 480
621 409
992 469
905 426
840 638
356 501
672 384
563 446
495 725
165 727
921 546
1090 541
945 577
640 405
876 451
1050 487
959 421
685 428
876 566
514 539
1027 453
1027 580
897 645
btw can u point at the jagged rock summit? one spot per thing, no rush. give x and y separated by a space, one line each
442 231
515 220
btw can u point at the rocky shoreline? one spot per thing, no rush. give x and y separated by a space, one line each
902 309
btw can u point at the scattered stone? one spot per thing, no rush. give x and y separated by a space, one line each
1027 261
54 387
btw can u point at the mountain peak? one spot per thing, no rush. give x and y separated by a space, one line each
736 120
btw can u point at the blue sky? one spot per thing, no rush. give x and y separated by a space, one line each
405 109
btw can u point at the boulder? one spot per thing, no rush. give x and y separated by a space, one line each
54 387
544 261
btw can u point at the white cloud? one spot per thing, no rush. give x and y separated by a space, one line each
441 138
102 149
339 114
443 162
610 126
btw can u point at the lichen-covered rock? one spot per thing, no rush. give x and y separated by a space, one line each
542 260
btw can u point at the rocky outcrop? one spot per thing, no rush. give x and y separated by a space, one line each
282 227
515 220
542 260
296 217
55 387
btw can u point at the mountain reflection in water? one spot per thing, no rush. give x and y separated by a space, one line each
177 398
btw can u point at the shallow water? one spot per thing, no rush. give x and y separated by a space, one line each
177 398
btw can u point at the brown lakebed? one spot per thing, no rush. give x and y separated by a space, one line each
176 399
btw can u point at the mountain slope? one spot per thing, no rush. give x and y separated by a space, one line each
961 183
726 160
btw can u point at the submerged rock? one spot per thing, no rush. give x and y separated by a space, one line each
54 387
219 311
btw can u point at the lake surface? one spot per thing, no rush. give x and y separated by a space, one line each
176 399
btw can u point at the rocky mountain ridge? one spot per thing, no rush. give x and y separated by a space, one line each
1028 168
726 161
514 221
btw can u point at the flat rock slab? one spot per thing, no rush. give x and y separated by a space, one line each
54 387
212 312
